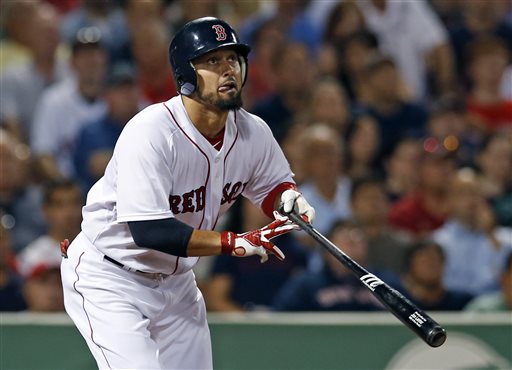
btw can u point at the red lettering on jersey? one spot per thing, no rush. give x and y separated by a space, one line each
220 31
187 202
200 198
229 194
191 201
174 204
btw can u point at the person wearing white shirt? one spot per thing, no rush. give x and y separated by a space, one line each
475 249
64 108
411 33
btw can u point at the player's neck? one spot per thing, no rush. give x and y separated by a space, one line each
208 121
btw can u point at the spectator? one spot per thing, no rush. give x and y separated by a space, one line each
334 287
95 142
65 107
102 15
23 83
11 284
267 40
363 143
329 105
294 21
448 128
495 168
344 20
384 101
150 43
191 10
479 18
62 209
137 14
20 199
357 50
326 188
42 288
449 12
475 248
498 301
423 279
347 44
401 169
488 58
16 19
370 206
294 78
426 209
411 33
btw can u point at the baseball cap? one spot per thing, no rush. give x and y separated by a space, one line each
87 37
121 73
39 257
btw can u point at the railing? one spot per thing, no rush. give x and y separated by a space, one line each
263 340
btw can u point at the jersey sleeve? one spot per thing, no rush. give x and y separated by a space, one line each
271 171
143 182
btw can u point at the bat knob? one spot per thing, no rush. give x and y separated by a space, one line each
436 337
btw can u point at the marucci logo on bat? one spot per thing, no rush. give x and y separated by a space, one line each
371 281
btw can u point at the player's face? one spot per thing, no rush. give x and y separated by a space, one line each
219 80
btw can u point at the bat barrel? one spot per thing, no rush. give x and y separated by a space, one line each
414 318
436 337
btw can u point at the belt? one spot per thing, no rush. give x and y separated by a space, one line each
154 275
124 267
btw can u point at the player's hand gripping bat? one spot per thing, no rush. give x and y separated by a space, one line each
413 317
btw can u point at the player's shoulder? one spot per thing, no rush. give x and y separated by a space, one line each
151 124
151 117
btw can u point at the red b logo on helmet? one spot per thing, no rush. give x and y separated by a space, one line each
221 33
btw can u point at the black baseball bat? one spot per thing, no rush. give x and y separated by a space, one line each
413 317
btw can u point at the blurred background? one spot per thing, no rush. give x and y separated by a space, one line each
396 117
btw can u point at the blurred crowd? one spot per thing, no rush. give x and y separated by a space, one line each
396 117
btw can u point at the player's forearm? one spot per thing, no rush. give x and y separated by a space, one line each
204 243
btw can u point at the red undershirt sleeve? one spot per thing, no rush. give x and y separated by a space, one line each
268 203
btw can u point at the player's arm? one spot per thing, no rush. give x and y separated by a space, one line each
174 237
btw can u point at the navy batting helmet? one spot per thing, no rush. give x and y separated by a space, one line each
197 38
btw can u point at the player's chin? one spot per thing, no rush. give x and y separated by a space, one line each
230 102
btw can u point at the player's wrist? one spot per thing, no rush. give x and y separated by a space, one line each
227 242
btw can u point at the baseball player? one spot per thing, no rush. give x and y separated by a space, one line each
176 168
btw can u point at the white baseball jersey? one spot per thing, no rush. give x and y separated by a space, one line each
164 167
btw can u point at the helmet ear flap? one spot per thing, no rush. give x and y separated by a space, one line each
243 68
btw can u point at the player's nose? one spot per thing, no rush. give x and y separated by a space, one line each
228 69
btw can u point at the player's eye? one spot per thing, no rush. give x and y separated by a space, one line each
212 60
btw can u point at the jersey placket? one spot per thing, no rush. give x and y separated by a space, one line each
217 183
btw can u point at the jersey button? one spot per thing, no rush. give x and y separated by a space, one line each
217 160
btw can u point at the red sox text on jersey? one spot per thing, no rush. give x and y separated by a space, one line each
194 200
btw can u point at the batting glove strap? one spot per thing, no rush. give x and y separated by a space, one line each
227 241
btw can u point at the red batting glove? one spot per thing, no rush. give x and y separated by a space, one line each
257 242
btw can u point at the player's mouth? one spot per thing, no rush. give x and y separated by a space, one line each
227 87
